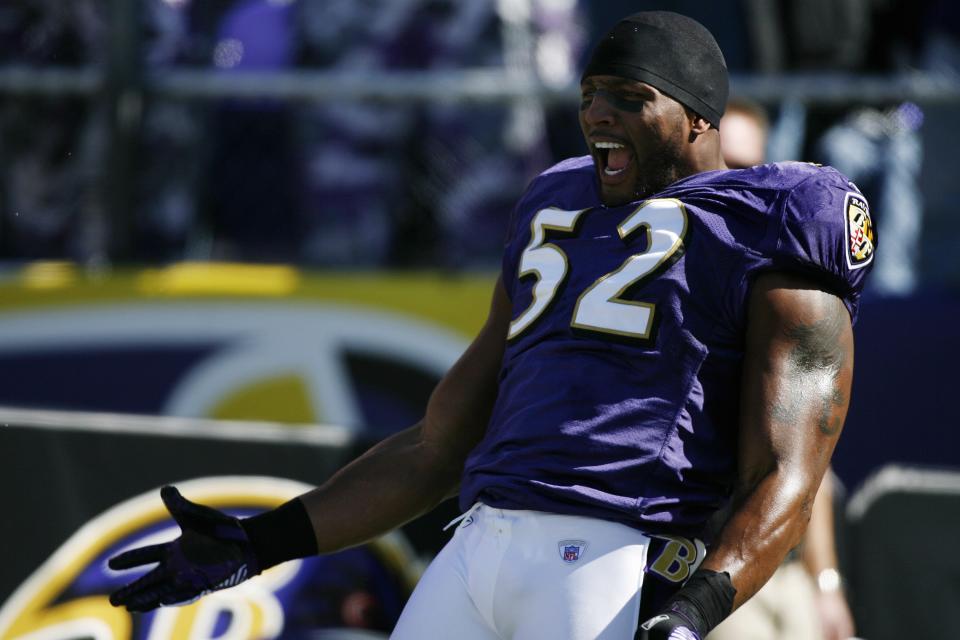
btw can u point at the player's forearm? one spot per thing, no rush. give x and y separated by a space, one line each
407 474
768 521
392 483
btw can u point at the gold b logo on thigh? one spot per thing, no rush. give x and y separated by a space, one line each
675 557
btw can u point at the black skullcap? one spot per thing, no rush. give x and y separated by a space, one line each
671 52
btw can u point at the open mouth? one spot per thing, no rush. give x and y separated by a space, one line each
614 157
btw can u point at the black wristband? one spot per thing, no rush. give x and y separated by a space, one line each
282 534
705 600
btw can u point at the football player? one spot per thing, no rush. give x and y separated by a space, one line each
666 336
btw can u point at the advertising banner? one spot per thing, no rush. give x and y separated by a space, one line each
232 341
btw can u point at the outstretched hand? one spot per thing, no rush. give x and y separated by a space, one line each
213 552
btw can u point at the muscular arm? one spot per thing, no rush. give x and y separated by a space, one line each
796 388
409 473
393 482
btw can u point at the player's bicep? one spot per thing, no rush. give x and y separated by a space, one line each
461 405
798 370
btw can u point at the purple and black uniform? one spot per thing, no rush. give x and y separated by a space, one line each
640 427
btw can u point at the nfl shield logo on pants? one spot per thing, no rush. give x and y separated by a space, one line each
571 550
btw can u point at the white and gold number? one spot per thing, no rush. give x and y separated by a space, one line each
547 261
601 306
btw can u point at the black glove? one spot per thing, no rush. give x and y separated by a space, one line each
213 552
703 602
667 626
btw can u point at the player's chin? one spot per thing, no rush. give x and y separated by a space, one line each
617 187
617 190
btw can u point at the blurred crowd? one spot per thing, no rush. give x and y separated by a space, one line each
369 185
331 184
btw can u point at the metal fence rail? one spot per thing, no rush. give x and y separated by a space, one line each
123 87
176 427
460 86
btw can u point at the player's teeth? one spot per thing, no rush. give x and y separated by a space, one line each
608 145
611 172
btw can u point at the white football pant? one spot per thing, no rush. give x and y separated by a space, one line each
525 575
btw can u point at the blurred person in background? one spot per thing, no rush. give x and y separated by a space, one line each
53 146
804 599
249 174
684 341
353 154
881 150
744 130
877 146
419 184
174 141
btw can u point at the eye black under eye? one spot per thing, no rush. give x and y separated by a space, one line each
624 101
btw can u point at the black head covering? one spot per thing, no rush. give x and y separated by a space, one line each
671 52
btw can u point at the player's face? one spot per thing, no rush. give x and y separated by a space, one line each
636 135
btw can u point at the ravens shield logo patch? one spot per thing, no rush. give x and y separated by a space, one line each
860 234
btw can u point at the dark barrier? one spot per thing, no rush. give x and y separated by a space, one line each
904 573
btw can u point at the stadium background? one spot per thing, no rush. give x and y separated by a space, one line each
246 237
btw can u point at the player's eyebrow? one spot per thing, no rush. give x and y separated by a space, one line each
619 84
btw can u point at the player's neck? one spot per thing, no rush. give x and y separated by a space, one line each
704 154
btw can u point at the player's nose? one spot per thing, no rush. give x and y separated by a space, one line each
598 110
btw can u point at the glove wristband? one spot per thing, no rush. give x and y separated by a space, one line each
282 534
705 600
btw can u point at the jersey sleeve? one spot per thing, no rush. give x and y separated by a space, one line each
827 234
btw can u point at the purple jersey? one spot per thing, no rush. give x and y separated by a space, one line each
619 388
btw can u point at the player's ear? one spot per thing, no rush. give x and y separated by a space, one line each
698 124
